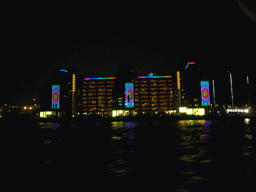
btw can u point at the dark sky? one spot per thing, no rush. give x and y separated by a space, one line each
95 39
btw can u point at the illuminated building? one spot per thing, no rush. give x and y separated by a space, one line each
205 93
144 94
129 95
193 89
231 86
231 90
188 86
192 111
60 96
55 96
98 95
213 89
154 94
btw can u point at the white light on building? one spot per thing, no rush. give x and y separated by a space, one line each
238 110
183 109
114 113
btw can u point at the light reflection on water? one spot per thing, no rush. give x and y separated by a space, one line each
205 149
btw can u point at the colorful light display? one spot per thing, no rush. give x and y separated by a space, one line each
64 70
129 95
55 96
154 77
74 83
97 78
73 94
178 80
189 63
205 93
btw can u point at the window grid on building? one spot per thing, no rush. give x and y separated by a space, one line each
97 95
157 94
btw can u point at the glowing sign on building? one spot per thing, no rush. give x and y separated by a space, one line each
178 80
190 63
74 83
129 95
55 96
98 78
73 94
64 70
205 93
157 77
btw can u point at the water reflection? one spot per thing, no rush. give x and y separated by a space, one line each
186 154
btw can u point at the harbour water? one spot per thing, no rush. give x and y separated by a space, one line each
182 155
185 155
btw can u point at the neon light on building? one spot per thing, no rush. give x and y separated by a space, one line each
74 83
189 63
129 95
98 78
73 94
64 70
205 93
178 80
141 77
232 96
55 96
213 88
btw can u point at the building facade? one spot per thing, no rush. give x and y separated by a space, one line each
154 94
144 94
60 96
98 95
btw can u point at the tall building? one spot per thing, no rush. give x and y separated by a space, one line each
194 93
190 89
98 95
154 94
113 96
64 80
60 96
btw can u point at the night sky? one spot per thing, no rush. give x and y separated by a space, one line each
96 39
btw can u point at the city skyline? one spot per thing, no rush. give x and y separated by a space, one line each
160 44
